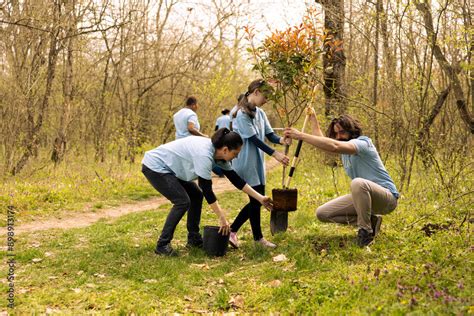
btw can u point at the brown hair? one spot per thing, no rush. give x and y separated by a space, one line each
244 104
347 123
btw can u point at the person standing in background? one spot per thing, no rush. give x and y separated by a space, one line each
223 120
186 121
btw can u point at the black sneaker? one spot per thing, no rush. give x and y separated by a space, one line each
376 222
194 243
165 250
364 238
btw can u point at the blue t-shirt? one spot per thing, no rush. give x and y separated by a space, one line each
250 163
223 121
366 164
181 120
186 158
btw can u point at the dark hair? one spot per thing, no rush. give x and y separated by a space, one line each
225 137
240 97
191 101
244 103
347 123
225 111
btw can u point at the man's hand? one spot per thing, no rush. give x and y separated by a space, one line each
293 133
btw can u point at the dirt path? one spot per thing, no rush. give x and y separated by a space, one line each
84 219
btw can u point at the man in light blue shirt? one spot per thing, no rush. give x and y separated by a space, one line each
186 121
373 192
223 120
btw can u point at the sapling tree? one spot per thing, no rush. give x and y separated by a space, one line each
290 61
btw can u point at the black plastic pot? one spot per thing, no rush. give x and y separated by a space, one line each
215 244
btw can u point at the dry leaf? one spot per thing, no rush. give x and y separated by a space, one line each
76 290
36 260
187 298
236 301
221 281
279 258
80 272
91 285
48 254
150 281
203 266
275 283
99 275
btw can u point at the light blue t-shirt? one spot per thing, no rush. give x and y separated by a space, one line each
223 121
186 158
250 163
366 164
235 125
181 120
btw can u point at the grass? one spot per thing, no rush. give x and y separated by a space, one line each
110 267
74 186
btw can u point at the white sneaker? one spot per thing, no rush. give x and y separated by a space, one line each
262 241
233 240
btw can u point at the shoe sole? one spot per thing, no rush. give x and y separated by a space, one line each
235 246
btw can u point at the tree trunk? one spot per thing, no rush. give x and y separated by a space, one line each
32 139
334 60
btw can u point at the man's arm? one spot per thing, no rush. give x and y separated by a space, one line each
322 142
194 131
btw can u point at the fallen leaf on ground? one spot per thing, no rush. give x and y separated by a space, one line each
150 281
279 258
275 283
36 260
76 290
203 266
236 301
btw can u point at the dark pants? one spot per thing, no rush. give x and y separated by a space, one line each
250 211
185 196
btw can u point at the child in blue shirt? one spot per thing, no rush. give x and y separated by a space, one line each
253 126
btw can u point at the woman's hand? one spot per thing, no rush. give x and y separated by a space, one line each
224 228
267 203
293 133
281 158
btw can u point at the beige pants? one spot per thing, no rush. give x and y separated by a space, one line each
366 198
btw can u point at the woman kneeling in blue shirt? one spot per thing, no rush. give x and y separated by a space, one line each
171 169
